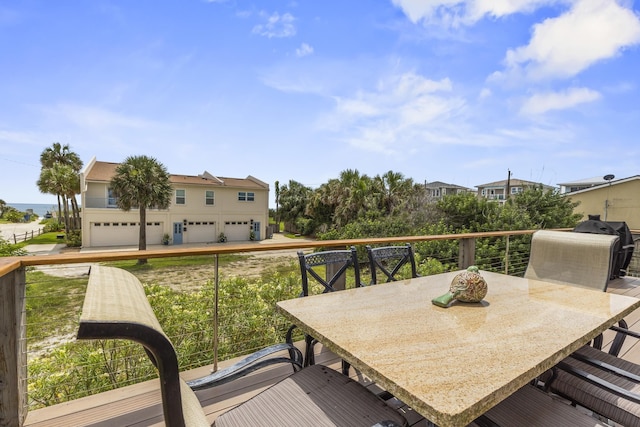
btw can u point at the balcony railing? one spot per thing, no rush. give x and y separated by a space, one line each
41 298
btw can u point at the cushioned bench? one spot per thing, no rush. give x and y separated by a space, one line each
116 307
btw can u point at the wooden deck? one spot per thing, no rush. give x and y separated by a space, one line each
139 405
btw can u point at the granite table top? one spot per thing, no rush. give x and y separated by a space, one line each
453 364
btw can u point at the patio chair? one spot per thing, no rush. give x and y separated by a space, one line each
577 259
586 260
530 407
328 269
116 307
601 382
389 260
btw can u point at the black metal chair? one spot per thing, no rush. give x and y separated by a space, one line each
328 271
389 260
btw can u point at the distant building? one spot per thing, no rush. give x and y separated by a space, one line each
569 187
202 207
438 189
498 190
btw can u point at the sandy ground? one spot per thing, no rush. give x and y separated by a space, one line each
8 230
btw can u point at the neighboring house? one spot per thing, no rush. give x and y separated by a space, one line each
498 190
438 189
569 187
618 200
202 207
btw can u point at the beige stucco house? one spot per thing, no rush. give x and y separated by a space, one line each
202 207
618 200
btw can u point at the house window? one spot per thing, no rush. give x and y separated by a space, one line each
180 197
208 198
243 196
516 190
111 198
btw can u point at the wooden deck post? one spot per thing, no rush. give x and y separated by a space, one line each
467 253
13 354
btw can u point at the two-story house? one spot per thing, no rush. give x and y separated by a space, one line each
501 190
202 207
438 189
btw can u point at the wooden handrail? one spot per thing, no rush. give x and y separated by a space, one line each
11 263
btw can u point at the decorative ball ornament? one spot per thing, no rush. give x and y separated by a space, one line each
467 286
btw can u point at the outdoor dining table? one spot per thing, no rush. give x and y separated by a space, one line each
453 364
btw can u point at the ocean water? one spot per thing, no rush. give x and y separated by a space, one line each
38 208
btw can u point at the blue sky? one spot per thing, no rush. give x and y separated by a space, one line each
439 90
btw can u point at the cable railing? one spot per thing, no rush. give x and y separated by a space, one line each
209 301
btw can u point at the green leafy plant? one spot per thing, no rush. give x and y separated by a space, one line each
222 238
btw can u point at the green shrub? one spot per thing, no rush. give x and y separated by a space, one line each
247 322
52 225
8 249
74 239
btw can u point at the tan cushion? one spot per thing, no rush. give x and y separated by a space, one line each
593 397
579 259
315 396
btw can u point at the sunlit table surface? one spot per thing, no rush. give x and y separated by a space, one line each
453 364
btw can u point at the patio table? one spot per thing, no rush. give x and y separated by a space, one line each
453 364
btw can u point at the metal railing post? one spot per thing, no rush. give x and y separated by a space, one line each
506 257
216 289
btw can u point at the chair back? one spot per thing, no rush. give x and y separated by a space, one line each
335 265
389 260
567 258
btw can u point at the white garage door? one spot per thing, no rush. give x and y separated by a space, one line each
201 232
236 231
123 233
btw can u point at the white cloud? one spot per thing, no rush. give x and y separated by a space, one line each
542 102
593 30
304 50
465 12
403 111
485 93
276 25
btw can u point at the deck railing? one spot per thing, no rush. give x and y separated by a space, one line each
41 296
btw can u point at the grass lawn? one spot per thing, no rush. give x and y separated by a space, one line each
43 239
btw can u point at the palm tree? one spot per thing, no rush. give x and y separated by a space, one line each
3 206
62 181
62 155
142 182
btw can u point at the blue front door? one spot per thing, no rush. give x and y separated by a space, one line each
177 233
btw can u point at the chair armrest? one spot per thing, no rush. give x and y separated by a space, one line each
251 363
606 367
598 382
622 332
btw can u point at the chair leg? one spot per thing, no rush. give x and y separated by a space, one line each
309 357
345 368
